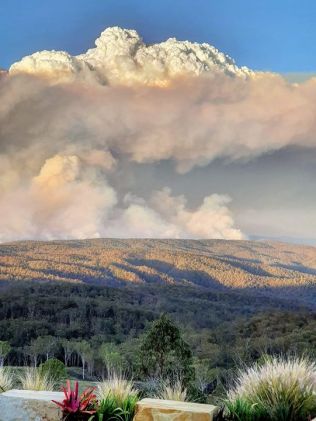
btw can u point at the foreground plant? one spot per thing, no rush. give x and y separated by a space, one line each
117 385
112 409
6 379
75 406
117 397
35 379
278 390
172 390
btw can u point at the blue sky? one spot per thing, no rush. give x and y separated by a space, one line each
277 35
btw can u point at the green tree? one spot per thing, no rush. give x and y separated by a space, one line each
110 356
164 352
68 349
5 348
42 345
47 345
84 350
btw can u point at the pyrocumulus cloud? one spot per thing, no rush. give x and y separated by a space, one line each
68 123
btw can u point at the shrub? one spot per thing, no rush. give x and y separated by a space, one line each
117 398
6 379
149 388
35 379
278 390
75 406
54 369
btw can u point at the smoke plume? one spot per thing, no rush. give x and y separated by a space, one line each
69 124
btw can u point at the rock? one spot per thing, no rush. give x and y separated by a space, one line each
28 405
162 410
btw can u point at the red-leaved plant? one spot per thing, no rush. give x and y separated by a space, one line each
76 406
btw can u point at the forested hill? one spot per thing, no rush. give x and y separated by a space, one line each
269 267
228 297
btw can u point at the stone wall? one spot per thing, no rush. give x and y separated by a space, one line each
163 410
25 405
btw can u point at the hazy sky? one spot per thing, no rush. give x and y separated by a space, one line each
167 140
276 35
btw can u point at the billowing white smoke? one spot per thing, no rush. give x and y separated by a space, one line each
70 127
60 202
167 216
121 57
66 200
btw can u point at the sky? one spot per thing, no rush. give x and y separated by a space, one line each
276 35
160 140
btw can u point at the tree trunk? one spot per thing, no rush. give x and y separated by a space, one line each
83 367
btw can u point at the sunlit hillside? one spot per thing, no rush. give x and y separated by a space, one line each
208 263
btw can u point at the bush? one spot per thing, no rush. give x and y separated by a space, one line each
55 370
278 390
6 379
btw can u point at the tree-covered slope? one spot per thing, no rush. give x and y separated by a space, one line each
273 269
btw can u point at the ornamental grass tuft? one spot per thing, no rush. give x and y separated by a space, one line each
172 390
35 379
117 397
6 379
280 389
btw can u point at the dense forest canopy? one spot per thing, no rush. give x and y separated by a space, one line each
219 326
90 303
